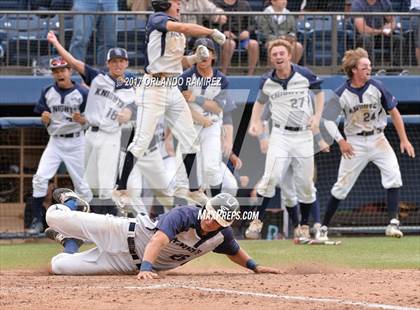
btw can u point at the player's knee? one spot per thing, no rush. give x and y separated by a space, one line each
55 215
39 185
395 182
58 264
339 193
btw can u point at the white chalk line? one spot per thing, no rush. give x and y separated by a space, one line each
275 296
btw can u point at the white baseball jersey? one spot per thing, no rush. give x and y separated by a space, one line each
212 88
289 99
365 108
62 103
106 98
165 49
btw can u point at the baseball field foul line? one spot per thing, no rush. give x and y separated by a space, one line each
275 296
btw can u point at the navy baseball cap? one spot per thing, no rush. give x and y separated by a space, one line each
116 52
206 42
58 62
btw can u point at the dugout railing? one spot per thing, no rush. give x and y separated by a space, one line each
325 37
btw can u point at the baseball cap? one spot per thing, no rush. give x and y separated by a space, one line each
58 62
223 208
206 42
116 52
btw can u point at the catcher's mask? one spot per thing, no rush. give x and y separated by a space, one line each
160 5
223 208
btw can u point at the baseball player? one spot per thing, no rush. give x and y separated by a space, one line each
61 106
125 245
158 93
205 90
287 90
364 103
110 103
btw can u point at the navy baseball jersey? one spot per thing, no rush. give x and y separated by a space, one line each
62 103
187 241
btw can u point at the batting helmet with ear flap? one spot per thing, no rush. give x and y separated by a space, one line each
160 5
223 208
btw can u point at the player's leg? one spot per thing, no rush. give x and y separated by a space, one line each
92 262
75 166
290 201
152 101
107 167
91 158
47 167
384 157
211 157
229 182
348 172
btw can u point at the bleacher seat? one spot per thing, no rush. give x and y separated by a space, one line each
9 5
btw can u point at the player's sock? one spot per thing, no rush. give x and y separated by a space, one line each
72 204
126 170
331 209
293 214
215 190
71 246
305 210
263 206
37 208
393 198
315 211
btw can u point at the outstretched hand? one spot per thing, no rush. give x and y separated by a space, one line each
52 38
147 275
263 269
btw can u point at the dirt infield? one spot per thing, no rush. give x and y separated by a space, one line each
301 287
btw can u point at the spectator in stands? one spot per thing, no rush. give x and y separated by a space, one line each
238 31
83 26
281 26
139 5
192 6
377 30
415 22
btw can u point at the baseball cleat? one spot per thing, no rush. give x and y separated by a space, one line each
253 232
393 230
196 197
304 232
56 236
61 195
121 198
323 234
37 227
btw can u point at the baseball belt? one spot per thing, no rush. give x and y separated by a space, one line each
290 128
369 133
132 244
69 135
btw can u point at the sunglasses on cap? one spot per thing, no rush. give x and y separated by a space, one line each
58 63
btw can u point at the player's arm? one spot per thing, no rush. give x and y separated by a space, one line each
201 119
207 104
398 122
196 30
243 259
256 126
78 65
153 248
227 140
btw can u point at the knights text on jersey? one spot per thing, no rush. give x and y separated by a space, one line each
62 103
165 49
187 241
365 108
211 88
106 98
289 99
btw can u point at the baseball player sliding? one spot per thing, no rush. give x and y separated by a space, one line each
125 245
109 104
158 93
364 103
287 90
61 106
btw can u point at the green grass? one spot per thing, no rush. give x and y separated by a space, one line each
366 252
